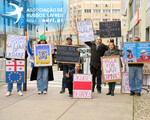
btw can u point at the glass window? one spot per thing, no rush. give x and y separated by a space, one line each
116 11
96 11
87 10
106 11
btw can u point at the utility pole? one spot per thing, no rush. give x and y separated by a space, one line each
25 34
4 28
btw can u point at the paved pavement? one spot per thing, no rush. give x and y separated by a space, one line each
55 106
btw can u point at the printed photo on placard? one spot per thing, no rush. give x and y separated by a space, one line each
42 55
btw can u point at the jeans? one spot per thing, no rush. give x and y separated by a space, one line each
10 87
111 86
96 73
42 79
70 86
65 70
135 79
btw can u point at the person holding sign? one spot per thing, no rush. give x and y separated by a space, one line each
42 74
19 85
97 51
69 77
135 75
112 51
66 68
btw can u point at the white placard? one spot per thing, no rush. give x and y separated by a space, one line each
15 46
85 31
125 83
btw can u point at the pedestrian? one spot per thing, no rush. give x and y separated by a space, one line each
135 75
42 74
69 77
97 51
66 67
19 85
112 51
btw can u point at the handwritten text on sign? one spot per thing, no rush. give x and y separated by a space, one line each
111 68
82 86
15 46
85 31
125 83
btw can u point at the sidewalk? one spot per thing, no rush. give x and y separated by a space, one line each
55 106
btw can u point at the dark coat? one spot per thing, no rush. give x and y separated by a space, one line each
96 54
35 71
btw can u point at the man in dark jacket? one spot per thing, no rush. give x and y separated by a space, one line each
97 50
69 77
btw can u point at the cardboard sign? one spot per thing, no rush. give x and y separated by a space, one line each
85 31
136 52
110 29
42 55
15 71
125 83
111 69
15 46
67 54
146 68
82 86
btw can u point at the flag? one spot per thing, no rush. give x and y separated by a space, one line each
15 71
30 54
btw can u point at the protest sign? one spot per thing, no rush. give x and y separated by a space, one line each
136 52
15 46
85 31
125 83
42 55
110 29
15 71
111 69
146 68
67 54
82 86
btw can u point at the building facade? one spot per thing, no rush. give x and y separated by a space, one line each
95 10
138 14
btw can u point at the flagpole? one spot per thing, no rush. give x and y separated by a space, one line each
25 33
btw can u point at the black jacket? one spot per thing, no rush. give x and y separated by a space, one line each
35 71
96 54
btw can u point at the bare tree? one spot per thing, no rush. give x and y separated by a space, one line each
59 26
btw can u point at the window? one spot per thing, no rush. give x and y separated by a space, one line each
87 10
30 27
79 11
96 11
106 11
116 19
46 28
106 19
116 11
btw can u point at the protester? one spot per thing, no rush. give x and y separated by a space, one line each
69 77
112 51
66 67
135 75
19 85
42 74
97 50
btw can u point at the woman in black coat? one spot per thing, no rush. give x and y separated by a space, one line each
42 74
112 51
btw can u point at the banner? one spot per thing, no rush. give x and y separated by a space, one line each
82 86
136 52
85 31
111 69
15 71
42 55
15 46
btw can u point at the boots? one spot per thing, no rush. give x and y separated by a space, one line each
109 92
112 92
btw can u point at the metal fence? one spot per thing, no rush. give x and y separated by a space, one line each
2 70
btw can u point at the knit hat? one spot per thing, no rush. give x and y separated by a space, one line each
42 37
